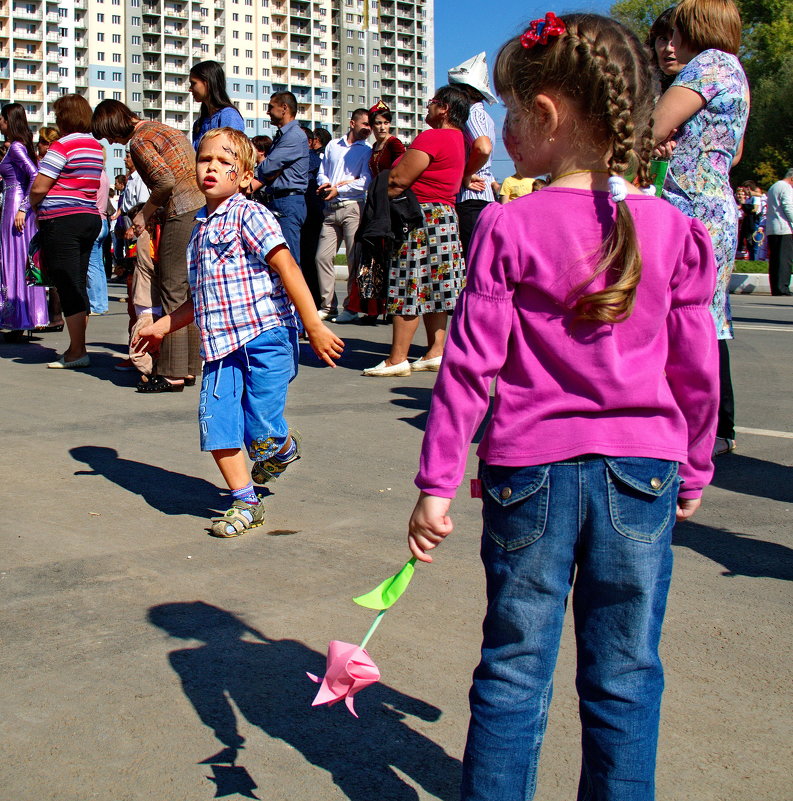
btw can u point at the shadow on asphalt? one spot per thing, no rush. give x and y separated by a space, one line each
744 474
420 398
168 492
266 681
740 554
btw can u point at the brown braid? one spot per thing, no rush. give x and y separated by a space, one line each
601 67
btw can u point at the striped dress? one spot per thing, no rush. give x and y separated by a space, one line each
75 163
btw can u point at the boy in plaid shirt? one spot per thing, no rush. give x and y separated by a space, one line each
243 281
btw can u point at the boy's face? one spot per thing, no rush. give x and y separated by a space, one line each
219 173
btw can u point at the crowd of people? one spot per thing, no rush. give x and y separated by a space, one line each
600 310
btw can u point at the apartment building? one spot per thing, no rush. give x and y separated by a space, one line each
335 55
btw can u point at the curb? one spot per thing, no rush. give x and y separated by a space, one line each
750 284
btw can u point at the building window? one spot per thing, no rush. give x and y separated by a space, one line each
100 37
265 37
350 82
375 52
249 87
350 34
136 97
265 20
349 49
361 68
236 70
235 52
375 68
115 19
235 34
100 75
116 95
63 71
350 98
249 124
235 17
375 84
265 72
350 65
361 35
136 58
135 77
249 106
116 76
116 58
249 71
100 56
323 78
248 36
249 54
134 21
116 38
361 83
361 51
100 17
100 94
235 87
248 19
323 62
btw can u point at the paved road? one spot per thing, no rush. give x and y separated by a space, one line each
139 654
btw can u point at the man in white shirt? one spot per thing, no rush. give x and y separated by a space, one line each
779 231
343 180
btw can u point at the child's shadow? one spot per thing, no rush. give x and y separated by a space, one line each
171 493
266 679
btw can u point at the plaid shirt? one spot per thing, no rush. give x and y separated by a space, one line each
235 293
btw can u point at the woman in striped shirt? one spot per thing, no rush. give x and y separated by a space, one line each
64 192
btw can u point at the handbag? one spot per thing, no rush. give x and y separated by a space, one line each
371 279
36 273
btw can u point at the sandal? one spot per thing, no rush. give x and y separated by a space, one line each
723 446
235 518
157 383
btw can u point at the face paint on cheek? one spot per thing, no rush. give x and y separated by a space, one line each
231 173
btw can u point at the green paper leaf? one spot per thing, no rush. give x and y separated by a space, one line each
386 594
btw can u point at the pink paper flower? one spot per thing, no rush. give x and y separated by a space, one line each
349 669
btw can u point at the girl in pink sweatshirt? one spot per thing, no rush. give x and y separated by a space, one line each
588 306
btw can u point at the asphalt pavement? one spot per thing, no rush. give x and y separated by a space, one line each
143 659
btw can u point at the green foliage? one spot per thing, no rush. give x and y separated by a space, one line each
766 48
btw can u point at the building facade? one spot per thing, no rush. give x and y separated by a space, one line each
335 55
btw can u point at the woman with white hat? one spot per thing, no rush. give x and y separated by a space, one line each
480 134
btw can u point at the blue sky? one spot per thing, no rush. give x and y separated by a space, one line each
464 28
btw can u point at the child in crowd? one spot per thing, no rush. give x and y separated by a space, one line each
242 278
589 305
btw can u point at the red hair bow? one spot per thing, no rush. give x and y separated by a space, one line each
539 30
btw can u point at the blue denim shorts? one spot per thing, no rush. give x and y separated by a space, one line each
243 395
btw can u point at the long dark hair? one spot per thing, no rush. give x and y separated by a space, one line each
18 130
211 73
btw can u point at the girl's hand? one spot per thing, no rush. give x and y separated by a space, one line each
325 343
19 221
686 508
429 525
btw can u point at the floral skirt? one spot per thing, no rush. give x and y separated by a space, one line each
428 273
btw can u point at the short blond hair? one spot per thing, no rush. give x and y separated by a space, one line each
242 146
708 25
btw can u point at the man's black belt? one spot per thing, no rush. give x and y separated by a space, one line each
285 192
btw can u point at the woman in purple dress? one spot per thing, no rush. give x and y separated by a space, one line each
21 306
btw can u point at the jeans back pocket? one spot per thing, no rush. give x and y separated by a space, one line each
642 495
515 504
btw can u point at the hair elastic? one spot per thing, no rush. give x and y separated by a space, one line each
617 188
540 29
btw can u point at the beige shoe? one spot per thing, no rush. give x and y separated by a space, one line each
422 364
62 364
383 370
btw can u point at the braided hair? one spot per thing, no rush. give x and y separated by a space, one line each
602 69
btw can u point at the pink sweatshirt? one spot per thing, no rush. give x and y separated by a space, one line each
644 387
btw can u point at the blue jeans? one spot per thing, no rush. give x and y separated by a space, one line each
97 277
602 527
293 209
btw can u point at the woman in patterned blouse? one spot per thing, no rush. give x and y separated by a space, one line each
704 114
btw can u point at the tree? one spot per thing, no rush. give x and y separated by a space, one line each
767 44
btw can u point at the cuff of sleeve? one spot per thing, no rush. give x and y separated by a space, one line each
441 492
689 494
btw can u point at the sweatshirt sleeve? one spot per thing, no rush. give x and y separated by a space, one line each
692 366
475 350
150 163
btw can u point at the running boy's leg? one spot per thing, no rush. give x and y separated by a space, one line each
271 364
619 600
528 551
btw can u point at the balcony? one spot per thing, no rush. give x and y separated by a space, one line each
301 30
27 55
174 51
23 13
149 27
34 35
24 75
152 102
151 9
152 85
174 11
179 32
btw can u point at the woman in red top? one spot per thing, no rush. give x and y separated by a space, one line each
387 148
427 274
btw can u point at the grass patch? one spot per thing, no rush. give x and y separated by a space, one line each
342 259
751 267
